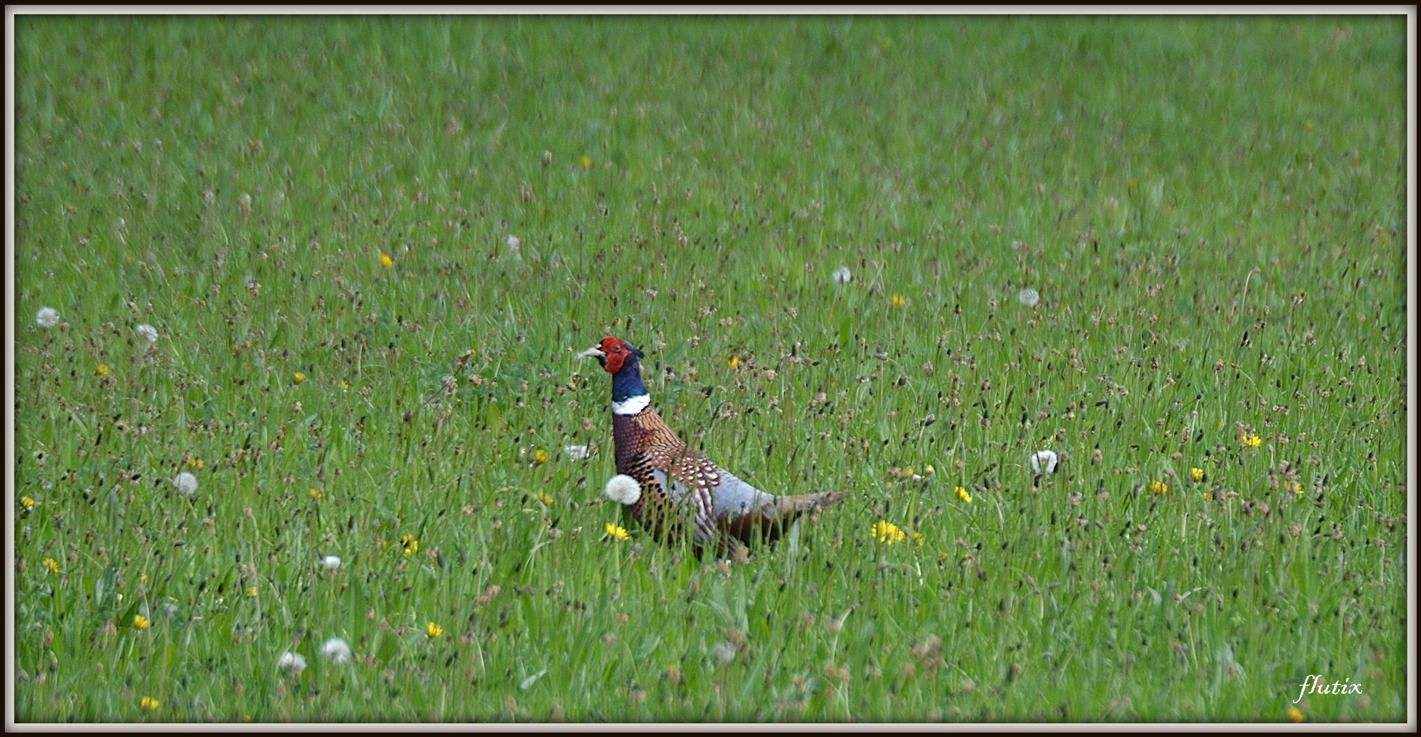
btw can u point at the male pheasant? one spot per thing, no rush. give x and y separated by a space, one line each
679 484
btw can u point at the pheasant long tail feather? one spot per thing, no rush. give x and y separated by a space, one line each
792 506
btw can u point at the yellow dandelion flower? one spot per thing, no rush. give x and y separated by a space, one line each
585 162
27 503
886 532
251 592
344 385
897 300
410 543
733 362
1159 487
918 538
386 262
1295 714
1197 474
617 532
143 578
314 493
298 377
540 456
101 370
963 495
928 470
1252 441
433 630
198 464
1297 488
50 565
544 499
148 703
140 622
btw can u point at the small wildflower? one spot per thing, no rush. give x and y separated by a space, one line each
251 592
905 472
292 663
1159 487
148 333
433 630
47 317
140 622
575 452
198 463
1028 297
886 532
314 493
544 499
50 565
585 162
143 578
733 362
148 703
1196 474
344 385
101 370
1297 488
1044 459
410 543
622 489
918 538
27 503
842 275
540 456
336 650
928 470
512 243
330 562
897 300
963 495
617 532
298 377
386 262
1295 714
1252 441
186 483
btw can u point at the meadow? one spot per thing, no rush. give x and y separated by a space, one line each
1171 251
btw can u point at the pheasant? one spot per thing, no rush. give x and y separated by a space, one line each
679 484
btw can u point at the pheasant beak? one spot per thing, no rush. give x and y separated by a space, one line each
593 352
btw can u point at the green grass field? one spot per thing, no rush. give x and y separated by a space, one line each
1211 209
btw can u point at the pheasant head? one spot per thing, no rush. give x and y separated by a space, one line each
623 361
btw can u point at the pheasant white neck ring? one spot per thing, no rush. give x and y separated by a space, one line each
633 405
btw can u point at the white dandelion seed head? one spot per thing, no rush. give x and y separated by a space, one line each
575 452
1043 461
842 275
186 483
208 196
244 201
1028 297
724 652
148 333
623 489
336 650
330 562
47 317
512 242
292 663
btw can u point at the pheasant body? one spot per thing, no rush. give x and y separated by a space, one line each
682 490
